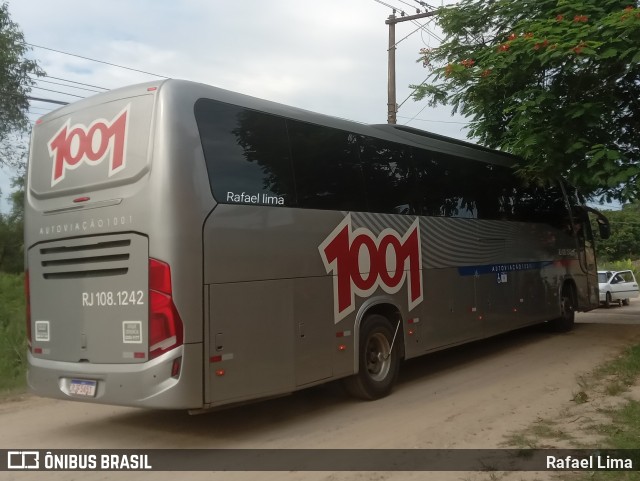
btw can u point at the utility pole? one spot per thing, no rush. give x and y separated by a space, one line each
392 105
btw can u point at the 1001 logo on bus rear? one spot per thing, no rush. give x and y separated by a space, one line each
362 262
75 145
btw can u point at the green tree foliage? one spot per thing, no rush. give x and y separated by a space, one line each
556 82
16 79
16 73
11 231
624 242
13 339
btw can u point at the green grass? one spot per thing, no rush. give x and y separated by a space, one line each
13 344
619 428
622 429
625 368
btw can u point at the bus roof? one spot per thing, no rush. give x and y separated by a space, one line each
395 133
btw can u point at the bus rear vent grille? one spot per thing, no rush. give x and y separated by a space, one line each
90 259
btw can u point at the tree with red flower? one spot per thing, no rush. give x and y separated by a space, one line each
557 86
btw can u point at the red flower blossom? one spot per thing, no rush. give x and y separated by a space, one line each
629 8
468 62
503 48
485 73
578 48
559 18
513 36
540 45
580 19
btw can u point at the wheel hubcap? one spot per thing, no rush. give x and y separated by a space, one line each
378 357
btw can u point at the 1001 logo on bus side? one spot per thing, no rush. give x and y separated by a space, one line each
362 262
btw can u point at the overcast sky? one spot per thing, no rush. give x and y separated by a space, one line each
329 56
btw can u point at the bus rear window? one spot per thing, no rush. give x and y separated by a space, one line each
247 154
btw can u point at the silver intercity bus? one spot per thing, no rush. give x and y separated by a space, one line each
190 247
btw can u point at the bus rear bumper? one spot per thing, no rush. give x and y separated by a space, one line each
148 385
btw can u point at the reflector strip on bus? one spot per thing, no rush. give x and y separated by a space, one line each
220 358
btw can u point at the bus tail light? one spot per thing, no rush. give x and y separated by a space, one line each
165 325
27 295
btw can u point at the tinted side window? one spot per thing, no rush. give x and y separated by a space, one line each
327 167
387 171
541 204
448 185
247 154
404 180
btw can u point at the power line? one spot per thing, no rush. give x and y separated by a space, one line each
409 5
414 117
37 99
412 32
425 5
50 101
413 92
44 110
431 120
58 92
427 31
432 35
395 9
74 82
95 60
69 86
68 81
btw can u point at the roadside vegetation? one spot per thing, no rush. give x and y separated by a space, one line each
13 345
604 414
624 265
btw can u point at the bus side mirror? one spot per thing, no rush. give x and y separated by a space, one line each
603 223
605 230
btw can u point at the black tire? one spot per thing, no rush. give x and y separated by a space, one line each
625 302
567 318
378 364
607 300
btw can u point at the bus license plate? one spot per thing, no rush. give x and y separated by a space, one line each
83 387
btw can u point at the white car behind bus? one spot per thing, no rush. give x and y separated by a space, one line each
617 286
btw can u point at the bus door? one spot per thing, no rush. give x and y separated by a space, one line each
585 246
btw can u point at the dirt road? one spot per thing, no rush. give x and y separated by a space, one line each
468 397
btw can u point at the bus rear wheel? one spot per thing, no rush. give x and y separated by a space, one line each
567 318
378 359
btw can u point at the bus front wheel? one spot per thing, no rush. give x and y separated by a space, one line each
378 359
